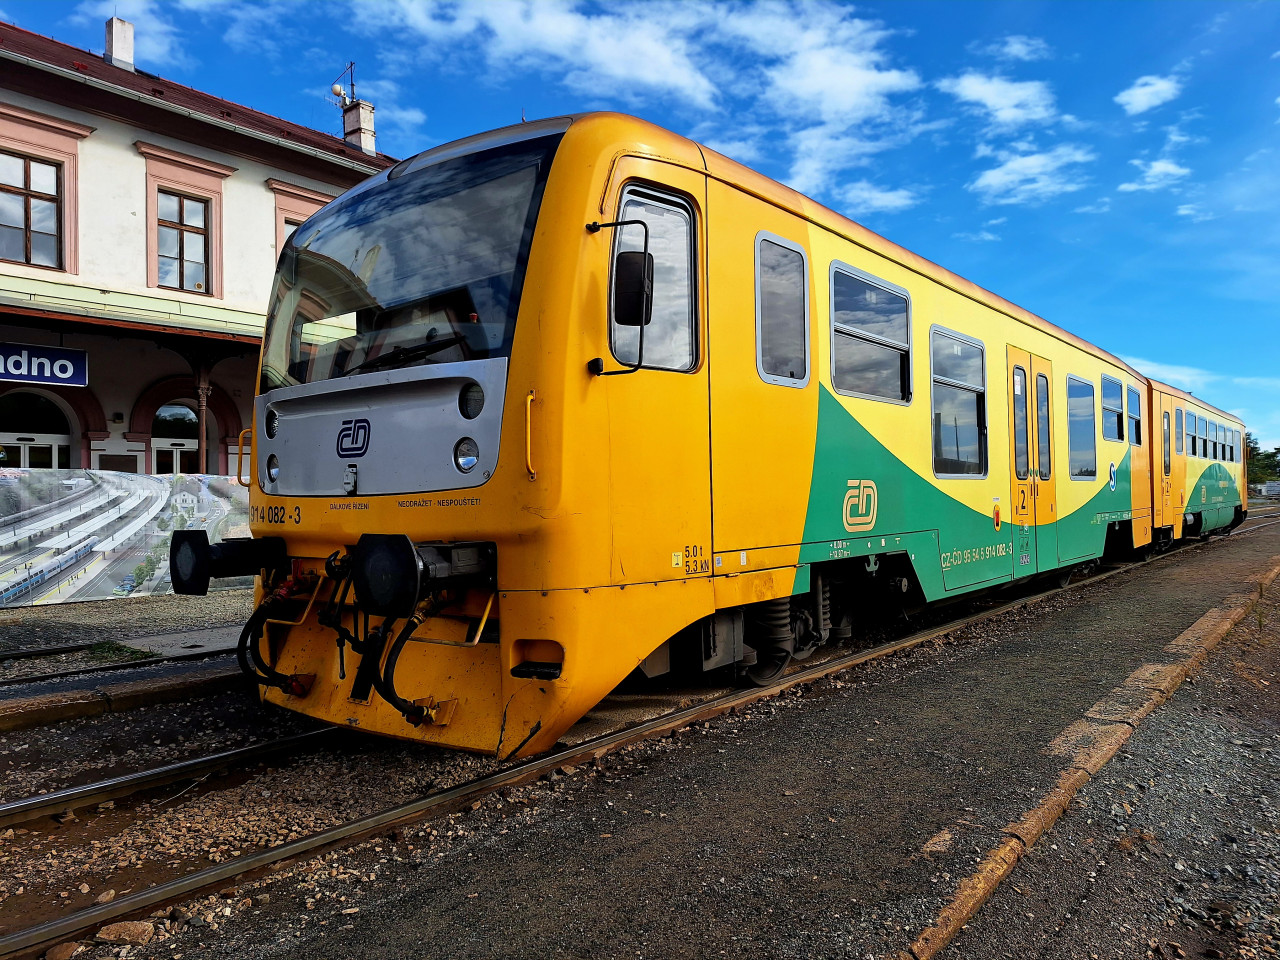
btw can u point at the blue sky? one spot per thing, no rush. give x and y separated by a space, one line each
1113 167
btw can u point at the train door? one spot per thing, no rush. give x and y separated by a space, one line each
659 459
1177 479
1162 452
1033 504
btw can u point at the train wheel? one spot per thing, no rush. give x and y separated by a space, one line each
770 664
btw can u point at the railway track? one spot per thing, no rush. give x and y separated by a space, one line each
113 667
433 805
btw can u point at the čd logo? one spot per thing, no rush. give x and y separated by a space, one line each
860 503
353 438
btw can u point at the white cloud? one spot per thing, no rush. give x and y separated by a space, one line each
1194 212
623 48
1016 47
982 236
1147 93
996 222
1193 379
1156 175
1007 103
864 197
157 42
1101 205
389 110
1033 177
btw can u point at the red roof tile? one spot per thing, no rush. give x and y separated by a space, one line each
55 53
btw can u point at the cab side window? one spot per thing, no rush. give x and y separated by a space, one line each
669 340
1177 419
1112 409
1135 417
782 311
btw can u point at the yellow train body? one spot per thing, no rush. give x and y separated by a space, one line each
626 511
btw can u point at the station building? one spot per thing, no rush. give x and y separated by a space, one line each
140 223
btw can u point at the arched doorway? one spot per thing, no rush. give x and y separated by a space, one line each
35 433
175 443
222 426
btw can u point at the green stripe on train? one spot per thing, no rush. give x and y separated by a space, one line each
952 547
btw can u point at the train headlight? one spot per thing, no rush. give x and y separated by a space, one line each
471 401
465 455
273 424
273 468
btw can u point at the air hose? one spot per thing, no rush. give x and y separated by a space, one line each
247 649
386 684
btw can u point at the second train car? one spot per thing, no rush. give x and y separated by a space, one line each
575 397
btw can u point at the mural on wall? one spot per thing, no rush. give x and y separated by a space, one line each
68 535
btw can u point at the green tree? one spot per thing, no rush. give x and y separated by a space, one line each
180 521
1260 466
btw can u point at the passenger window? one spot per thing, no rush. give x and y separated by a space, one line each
1042 427
1112 409
1021 451
1236 448
1177 427
1166 443
1081 432
871 345
1135 417
1203 431
959 406
1213 441
782 312
669 335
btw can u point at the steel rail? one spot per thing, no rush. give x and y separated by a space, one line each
122 665
30 940
125 785
31 653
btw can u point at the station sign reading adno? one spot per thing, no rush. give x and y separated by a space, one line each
29 363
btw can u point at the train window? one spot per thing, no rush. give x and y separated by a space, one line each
1112 409
1166 443
1021 451
1214 436
1135 417
959 405
669 335
1177 427
1237 448
1202 431
782 311
1081 432
871 336
1045 448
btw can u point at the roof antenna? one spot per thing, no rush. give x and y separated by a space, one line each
522 119
344 94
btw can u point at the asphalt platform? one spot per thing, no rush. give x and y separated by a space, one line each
834 822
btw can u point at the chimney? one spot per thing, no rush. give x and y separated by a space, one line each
357 125
119 43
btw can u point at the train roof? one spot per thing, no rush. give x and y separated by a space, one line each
1192 398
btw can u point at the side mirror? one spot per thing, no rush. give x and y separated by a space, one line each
633 288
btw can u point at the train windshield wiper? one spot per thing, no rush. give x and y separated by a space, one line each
398 357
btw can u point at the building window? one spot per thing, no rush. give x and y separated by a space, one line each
294 204
1177 420
871 330
959 405
1112 409
782 311
1081 436
182 242
1135 417
669 333
30 211
184 216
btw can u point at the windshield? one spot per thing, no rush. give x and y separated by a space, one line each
421 268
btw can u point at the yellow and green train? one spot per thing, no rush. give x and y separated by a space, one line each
578 397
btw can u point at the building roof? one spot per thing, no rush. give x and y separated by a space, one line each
86 81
